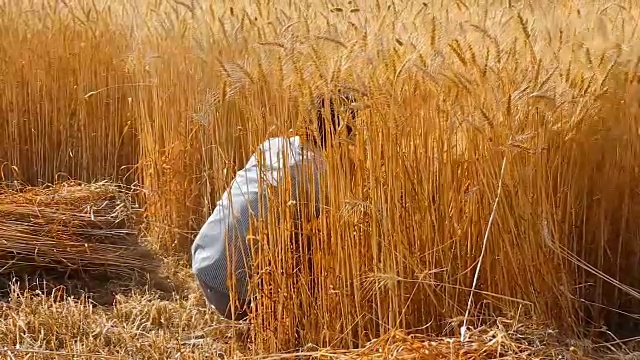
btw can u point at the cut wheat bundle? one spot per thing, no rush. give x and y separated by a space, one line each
503 339
71 227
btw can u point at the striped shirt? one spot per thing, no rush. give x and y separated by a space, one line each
222 239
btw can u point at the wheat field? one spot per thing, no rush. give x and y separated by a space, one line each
494 177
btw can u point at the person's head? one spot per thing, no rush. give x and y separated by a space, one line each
335 115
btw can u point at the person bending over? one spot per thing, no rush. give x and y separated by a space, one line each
221 246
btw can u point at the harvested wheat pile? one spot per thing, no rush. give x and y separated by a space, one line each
70 227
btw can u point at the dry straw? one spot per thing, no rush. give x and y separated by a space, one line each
71 227
504 340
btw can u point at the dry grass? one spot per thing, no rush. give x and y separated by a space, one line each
141 326
174 96
137 326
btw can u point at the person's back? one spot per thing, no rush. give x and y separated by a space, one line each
221 245
238 206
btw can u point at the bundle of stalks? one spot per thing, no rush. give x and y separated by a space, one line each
503 339
70 227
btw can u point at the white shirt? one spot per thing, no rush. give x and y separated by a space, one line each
239 204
